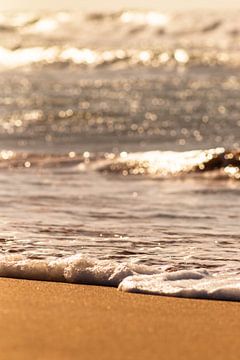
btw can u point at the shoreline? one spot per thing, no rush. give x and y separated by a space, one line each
47 320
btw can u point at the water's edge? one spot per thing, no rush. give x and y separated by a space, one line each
79 269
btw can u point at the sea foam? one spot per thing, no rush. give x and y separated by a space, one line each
187 284
196 283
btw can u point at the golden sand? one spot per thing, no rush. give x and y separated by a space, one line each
40 320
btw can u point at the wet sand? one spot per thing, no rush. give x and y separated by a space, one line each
40 320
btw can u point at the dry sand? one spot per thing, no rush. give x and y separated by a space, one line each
40 320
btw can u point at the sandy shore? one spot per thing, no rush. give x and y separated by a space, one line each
40 320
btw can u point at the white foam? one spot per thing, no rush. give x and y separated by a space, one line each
127 277
75 269
188 284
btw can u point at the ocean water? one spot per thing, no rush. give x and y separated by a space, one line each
120 150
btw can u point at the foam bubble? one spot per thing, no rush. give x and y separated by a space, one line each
75 269
195 283
188 284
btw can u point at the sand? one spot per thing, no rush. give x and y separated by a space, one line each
41 320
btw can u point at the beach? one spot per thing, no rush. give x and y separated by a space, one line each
120 184
120 153
47 320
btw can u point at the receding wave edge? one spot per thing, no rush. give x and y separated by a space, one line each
196 283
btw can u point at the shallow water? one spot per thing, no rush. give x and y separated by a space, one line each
99 180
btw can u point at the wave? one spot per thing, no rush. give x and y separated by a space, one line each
116 58
172 22
218 162
125 38
76 269
186 284
196 283
168 163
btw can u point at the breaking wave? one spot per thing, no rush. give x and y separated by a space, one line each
218 163
168 163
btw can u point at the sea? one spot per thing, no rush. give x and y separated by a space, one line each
120 150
